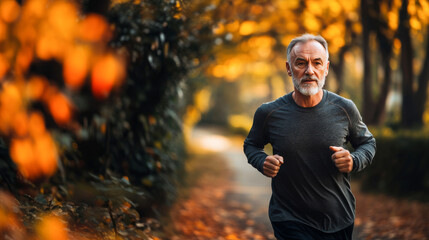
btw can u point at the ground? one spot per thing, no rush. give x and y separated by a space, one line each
225 198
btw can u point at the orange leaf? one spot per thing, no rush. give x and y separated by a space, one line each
76 67
93 28
22 153
35 88
23 59
36 125
9 10
20 124
52 228
4 66
46 154
60 108
106 72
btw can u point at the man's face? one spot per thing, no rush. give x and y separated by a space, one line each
308 67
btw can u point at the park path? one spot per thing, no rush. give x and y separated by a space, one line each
230 199
247 186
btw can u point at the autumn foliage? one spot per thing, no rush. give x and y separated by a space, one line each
89 113
44 31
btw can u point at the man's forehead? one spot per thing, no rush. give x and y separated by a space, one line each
310 48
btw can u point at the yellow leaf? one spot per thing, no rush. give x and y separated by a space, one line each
240 122
232 27
310 22
202 99
247 28
415 23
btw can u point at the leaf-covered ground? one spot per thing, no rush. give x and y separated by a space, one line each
384 217
207 210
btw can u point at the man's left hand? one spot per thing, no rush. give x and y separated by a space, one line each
342 159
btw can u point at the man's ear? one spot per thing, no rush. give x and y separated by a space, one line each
327 68
288 69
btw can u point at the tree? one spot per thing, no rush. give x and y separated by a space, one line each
374 21
413 101
252 46
391 23
91 100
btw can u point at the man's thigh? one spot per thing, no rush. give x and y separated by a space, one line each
290 230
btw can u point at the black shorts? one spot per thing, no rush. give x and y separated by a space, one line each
290 230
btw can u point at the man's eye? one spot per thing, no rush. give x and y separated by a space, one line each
318 64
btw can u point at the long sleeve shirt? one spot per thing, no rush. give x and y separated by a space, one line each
308 187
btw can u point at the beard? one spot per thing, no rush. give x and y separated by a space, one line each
308 89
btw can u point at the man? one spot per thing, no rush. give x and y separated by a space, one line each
310 166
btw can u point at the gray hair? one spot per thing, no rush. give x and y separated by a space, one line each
305 38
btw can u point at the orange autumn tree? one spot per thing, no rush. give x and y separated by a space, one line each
251 49
65 65
112 133
365 40
37 33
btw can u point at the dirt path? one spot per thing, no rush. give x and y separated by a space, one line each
247 185
228 199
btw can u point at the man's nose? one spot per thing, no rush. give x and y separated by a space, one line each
309 70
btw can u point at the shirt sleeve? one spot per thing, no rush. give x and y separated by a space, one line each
256 140
361 139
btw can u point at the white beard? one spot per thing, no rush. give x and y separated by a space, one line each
308 89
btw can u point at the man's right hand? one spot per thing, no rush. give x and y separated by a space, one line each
272 165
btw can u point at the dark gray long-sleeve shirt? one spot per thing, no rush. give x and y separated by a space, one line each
308 187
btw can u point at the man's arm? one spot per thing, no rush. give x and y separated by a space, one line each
361 139
256 140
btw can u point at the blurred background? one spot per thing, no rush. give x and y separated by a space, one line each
109 110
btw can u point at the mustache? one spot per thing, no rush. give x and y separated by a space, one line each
309 78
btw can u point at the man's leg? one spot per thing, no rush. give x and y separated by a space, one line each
289 230
345 234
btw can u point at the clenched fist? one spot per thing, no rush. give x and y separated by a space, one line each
272 165
342 159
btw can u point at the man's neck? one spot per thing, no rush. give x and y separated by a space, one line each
307 101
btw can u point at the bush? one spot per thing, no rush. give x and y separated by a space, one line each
400 166
118 142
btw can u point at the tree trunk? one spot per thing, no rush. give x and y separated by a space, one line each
407 111
368 106
338 68
385 45
270 96
380 108
421 95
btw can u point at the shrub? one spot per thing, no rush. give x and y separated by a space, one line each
400 165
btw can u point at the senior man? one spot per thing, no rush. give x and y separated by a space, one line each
310 166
